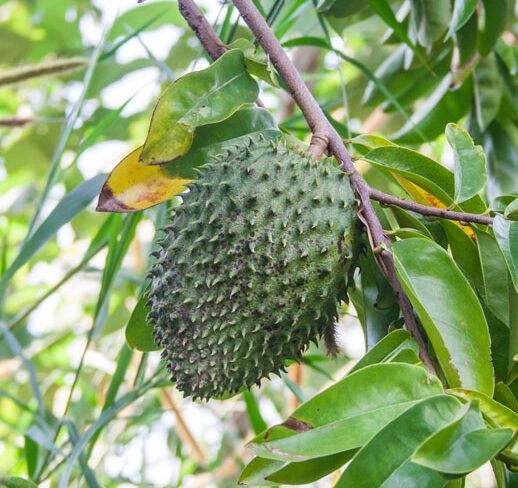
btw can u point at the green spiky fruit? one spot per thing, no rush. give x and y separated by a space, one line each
251 267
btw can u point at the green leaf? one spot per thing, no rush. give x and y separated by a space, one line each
386 459
407 220
505 396
464 445
347 414
139 334
256 64
429 19
210 140
196 99
388 349
462 11
466 39
423 171
506 233
494 291
373 300
449 311
71 204
256 471
487 91
269 472
441 107
310 471
495 19
15 482
254 414
511 211
496 414
470 163
465 252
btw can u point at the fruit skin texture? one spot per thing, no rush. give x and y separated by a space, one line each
251 267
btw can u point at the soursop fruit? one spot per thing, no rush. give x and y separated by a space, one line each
251 267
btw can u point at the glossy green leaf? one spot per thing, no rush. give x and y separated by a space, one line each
72 204
139 334
423 171
196 99
462 11
15 482
464 252
487 91
256 64
310 471
506 233
370 141
504 395
466 39
441 107
256 471
373 300
269 472
254 414
470 163
497 415
463 445
511 211
501 202
387 349
407 220
210 140
494 291
407 233
386 460
449 311
347 414
495 19
429 19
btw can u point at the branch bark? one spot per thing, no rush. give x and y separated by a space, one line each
386 199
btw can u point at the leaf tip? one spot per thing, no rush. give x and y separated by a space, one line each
109 203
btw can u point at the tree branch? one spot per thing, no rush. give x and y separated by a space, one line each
386 199
323 135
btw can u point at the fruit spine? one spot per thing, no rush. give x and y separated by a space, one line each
251 267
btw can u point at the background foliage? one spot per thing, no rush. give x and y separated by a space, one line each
80 407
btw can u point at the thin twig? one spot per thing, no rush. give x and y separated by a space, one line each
322 129
56 66
383 198
323 135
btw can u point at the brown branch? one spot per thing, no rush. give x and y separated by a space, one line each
56 66
324 136
386 199
321 127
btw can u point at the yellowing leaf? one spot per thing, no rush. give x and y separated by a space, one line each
424 198
134 186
